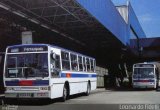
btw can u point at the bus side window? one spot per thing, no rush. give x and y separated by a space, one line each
55 66
65 60
57 62
74 62
92 65
80 63
84 64
88 64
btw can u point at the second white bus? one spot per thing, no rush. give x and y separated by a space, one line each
145 75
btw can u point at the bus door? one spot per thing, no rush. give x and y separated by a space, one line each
55 63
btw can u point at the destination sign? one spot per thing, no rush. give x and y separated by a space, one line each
32 49
27 49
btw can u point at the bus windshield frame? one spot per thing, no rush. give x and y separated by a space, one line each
27 65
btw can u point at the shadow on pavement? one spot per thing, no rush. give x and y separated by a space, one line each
34 102
130 89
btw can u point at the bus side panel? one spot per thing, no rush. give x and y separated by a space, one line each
78 87
93 85
56 88
81 85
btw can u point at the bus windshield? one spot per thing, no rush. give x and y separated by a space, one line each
26 65
143 73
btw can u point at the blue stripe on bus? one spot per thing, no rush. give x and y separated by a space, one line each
143 80
40 82
35 83
75 75
46 82
12 83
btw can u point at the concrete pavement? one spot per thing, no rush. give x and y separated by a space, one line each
99 99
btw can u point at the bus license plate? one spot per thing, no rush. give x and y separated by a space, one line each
25 94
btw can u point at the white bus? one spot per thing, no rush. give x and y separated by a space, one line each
145 75
45 71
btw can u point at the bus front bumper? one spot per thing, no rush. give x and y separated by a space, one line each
27 94
142 85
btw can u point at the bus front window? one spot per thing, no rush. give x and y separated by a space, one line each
144 73
26 65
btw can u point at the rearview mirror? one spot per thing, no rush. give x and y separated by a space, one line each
53 56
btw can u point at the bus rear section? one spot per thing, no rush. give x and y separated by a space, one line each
26 72
144 76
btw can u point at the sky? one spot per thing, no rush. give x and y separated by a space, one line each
148 14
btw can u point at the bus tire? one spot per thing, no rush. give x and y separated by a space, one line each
88 89
65 93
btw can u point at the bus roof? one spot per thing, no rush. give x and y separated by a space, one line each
157 64
50 46
147 63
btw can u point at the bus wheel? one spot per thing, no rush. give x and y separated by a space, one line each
88 89
65 93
